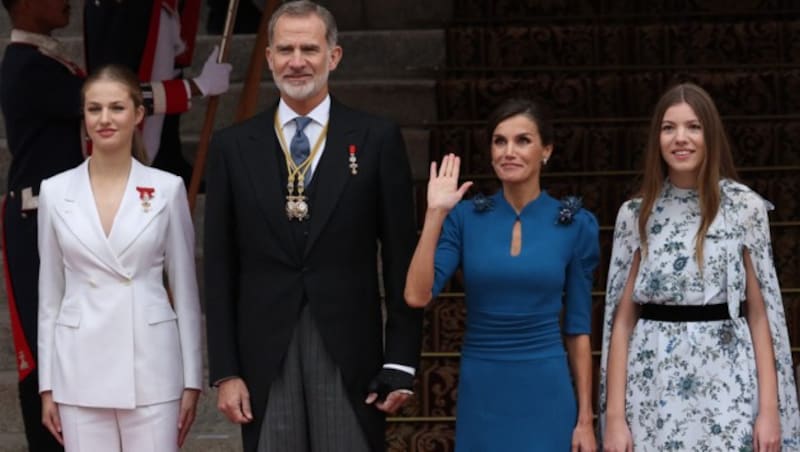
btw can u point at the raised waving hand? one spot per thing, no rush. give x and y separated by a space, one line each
443 190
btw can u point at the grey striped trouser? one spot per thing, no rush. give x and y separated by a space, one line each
308 408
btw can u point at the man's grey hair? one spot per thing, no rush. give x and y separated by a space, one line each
305 8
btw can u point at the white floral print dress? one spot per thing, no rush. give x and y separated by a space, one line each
692 386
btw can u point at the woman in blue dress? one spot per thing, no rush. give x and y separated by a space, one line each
526 257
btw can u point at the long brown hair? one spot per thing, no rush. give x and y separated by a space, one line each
717 161
124 76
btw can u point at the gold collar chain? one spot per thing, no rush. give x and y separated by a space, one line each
296 204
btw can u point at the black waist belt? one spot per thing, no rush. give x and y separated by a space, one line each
686 313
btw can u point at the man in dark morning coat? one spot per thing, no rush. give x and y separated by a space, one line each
40 95
297 345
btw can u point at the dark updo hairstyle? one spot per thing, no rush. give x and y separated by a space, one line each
124 76
535 111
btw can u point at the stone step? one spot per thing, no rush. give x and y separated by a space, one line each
13 442
10 413
384 15
391 87
7 359
404 101
367 54
389 14
202 442
211 429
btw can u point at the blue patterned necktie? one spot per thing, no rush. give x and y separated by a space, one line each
300 147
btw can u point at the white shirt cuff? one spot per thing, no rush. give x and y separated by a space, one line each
406 369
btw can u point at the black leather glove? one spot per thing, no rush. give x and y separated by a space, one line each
389 380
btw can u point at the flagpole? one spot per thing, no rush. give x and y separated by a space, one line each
211 110
248 101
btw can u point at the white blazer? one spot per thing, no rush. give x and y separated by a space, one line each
108 336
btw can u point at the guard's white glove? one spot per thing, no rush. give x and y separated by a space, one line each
214 79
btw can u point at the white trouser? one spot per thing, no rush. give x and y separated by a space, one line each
150 428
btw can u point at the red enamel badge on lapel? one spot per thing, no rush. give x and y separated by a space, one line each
353 162
145 192
145 195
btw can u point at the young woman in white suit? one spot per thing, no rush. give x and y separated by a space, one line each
120 363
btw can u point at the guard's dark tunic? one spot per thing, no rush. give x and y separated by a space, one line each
40 100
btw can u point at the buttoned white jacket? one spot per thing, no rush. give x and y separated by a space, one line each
108 335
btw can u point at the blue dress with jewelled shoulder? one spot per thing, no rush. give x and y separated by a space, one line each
515 393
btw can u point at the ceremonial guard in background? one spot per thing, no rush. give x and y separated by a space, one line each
155 39
41 103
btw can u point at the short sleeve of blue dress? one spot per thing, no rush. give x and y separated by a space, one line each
448 250
580 273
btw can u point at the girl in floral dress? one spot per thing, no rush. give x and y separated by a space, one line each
696 354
